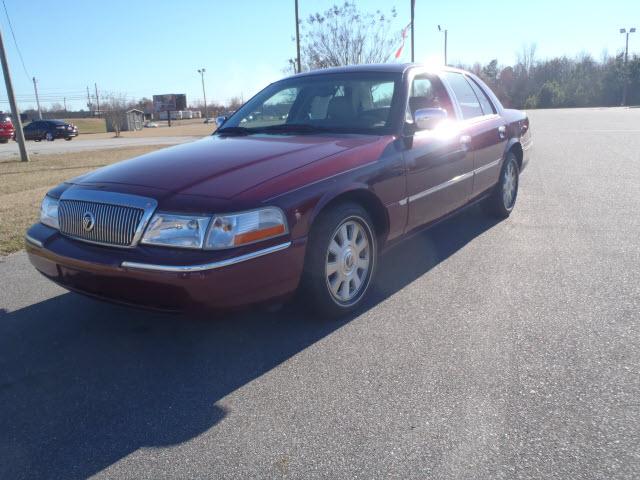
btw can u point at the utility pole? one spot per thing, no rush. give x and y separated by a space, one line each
413 8
15 112
626 63
97 99
445 47
35 88
65 104
445 43
204 94
89 105
298 39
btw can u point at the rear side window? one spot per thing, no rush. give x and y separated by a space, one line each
469 104
485 103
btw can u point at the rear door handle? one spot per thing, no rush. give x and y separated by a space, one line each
502 132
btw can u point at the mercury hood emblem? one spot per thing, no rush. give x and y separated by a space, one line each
88 221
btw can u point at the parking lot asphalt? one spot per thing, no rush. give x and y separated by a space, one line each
490 350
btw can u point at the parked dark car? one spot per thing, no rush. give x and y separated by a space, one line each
340 165
7 129
50 130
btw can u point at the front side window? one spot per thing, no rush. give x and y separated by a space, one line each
343 103
427 91
469 104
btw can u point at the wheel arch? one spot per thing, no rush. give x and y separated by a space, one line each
515 147
363 196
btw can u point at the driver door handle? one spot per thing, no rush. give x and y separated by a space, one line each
465 140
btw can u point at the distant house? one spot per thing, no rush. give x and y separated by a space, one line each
128 121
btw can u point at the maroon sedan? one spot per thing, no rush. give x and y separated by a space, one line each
302 187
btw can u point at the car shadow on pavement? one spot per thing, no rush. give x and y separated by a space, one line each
84 384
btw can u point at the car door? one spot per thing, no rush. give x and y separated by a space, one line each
486 128
30 131
438 163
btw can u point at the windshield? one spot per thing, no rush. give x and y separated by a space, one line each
339 103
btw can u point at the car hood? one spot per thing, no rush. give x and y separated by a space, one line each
222 167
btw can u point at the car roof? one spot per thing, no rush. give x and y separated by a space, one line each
377 68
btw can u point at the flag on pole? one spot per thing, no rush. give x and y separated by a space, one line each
404 37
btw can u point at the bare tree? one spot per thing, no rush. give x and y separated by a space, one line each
343 35
145 104
234 103
527 57
114 106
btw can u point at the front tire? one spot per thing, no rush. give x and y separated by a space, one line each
341 260
503 199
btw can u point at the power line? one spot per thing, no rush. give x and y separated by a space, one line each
15 41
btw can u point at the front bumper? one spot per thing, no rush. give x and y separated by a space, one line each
167 279
66 133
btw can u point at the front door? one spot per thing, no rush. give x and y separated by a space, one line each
438 162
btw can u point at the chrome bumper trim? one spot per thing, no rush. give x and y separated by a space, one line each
204 266
33 241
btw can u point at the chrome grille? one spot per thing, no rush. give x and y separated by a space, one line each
113 224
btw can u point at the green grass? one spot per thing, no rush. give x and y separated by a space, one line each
22 186
88 125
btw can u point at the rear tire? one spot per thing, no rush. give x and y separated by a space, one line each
340 261
503 198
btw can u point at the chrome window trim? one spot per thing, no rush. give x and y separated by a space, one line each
147 204
204 266
449 183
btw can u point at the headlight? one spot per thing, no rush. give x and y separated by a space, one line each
176 230
49 212
228 231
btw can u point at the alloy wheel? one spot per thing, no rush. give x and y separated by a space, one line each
348 261
510 185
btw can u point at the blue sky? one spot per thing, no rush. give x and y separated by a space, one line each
144 47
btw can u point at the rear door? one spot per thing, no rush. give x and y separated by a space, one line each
486 128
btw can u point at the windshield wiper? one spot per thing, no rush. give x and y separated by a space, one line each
292 128
235 131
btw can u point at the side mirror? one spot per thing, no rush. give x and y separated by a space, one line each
220 121
427 118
